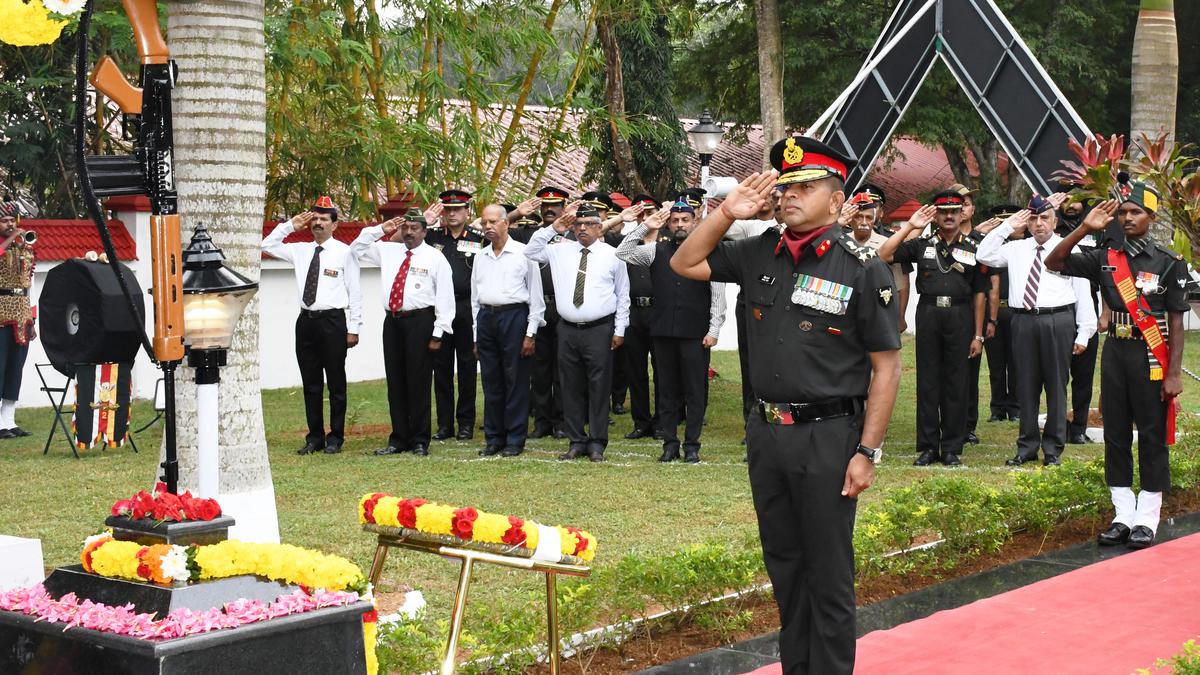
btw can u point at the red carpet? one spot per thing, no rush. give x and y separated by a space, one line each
1110 617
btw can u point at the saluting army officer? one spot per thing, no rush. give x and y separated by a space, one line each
823 329
949 323
1144 283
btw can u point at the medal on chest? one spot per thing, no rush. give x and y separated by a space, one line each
963 256
1146 282
821 294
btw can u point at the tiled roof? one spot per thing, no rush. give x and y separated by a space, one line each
66 239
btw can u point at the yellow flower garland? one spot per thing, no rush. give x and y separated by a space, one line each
26 24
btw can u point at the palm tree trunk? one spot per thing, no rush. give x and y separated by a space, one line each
628 177
1155 76
770 78
220 170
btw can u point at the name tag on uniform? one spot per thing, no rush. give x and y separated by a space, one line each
419 271
821 294
963 256
767 280
930 253
331 273
469 247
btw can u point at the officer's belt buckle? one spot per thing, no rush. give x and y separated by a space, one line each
1123 331
643 301
775 414
944 301
1004 303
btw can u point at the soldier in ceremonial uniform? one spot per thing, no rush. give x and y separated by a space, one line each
949 323
823 329
1144 283
327 275
869 201
460 245
16 314
966 225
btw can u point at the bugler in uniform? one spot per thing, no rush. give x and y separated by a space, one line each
16 314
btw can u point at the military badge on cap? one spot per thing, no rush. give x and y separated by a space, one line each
682 207
647 201
948 200
454 198
552 195
800 159
874 192
863 201
325 205
1039 205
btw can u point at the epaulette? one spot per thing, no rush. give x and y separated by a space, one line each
863 252
1168 250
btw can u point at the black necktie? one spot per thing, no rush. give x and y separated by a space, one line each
310 283
580 277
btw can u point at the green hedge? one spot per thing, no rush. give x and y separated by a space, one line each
1186 662
970 519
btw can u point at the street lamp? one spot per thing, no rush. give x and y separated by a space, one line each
214 297
705 138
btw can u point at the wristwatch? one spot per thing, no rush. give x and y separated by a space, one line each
980 338
873 454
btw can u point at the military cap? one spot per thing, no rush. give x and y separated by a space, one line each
415 215
874 192
1004 211
509 208
948 200
552 195
961 189
454 198
647 201
682 206
1039 205
586 210
532 220
864 201
599 200
325 205
694 196
800 159
1138 192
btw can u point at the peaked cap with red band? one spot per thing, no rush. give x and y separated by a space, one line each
864 201
325 205
454 198
552 195
948 200
800 159
647 201
599 200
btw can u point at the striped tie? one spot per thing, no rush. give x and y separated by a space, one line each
1035 274
580 277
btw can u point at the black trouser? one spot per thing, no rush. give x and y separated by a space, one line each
620 380
1002 366
544 382
321 355
944 337
1043 344
585 374
684 387
739 315
505 374
807 528
408 365
12 362
639 356
1128 396
456 347
973 393
1083 372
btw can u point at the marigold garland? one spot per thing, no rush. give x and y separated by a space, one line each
467 523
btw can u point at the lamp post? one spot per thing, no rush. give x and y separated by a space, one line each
214 297
705 138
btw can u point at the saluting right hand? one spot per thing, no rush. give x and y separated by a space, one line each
433 214
1098 218
302 221
656 220
1019 221
848 212
923 217
630 214
528 206
750 196
390 226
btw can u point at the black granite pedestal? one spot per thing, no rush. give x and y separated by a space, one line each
150 532
162 600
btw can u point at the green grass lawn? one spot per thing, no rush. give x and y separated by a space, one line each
631 503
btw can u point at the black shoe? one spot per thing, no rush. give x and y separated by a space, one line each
1018 460
639 433
490 451
308 449
389 450
7 433
541 432
576 451
611 422
333 448
949 459
926 458
743 440
465 434
658 435
972 438
691 456
1052 460
443 434
560 434
18 432
618 408
512 451
1117 533
670 453
420 450
1140 537
1078 439
595 454
997 417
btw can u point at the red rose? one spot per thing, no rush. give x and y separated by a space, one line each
469 513
188 504
208 509
160 488
143 503
123 507
369 506
167 507
371 616
463 523
515 536
406 514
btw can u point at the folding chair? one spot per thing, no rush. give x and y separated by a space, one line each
160 406
58 405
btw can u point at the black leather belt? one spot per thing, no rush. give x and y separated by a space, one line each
319 313
14 291
587 324
642 301
804 413
411 312
942 300
1045 310
502 308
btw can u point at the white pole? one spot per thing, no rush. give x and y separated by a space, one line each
207 428
703 181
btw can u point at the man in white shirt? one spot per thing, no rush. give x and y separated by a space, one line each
327 281
591 289
507 305
418 300
1053 318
